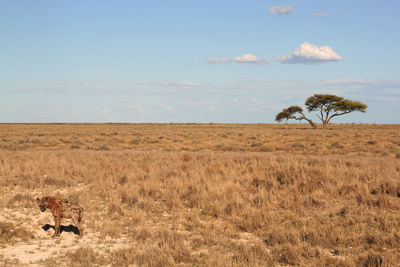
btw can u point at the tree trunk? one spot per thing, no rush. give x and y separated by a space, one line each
311 123
307 119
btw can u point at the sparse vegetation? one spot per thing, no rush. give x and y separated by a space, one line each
211 194
84 256
10 233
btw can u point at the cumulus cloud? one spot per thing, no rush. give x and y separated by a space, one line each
308 53
321 14
243 59
281 10
180 84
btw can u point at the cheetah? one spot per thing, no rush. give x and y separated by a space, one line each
62 208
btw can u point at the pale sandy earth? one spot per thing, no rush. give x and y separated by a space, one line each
43 247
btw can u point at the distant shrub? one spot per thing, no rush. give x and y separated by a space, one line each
256 144
337 145
186 157
135 141
103 148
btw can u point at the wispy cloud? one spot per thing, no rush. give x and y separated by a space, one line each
202 103
320 14
387 87
386 98
169 108
138 108
209 105
243 59
238 102
281 10
308 53
252 104
219 60
188 84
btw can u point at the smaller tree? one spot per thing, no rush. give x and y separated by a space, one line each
293 112
326 106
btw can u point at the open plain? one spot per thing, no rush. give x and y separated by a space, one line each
202 194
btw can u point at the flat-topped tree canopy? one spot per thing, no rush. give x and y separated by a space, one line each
289 113
349 106
327 106
330 106
326 102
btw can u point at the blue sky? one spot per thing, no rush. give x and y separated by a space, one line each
195 61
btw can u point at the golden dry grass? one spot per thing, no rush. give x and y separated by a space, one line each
210 194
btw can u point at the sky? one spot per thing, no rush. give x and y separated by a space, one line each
178 61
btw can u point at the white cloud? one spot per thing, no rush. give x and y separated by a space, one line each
250 59
243 59
308 53
281 10
320 14
180 84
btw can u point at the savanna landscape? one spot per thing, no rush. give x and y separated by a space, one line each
200 133
202 194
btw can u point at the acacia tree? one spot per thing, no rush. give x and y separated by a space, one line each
325 106
293 112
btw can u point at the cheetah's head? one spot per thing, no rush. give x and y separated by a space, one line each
42 203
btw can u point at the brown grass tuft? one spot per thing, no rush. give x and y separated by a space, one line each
85 256
8 232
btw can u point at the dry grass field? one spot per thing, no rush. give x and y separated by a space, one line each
202 194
